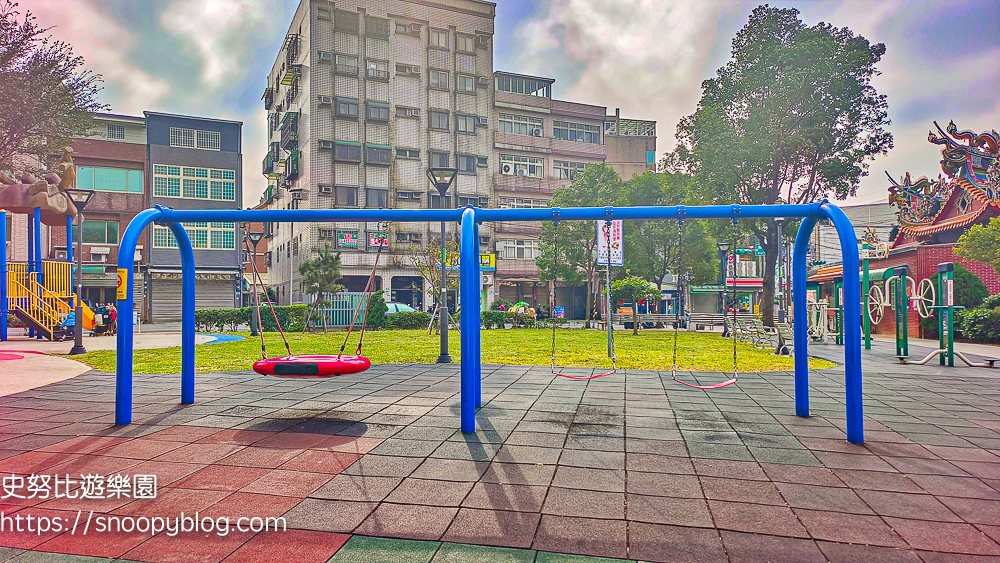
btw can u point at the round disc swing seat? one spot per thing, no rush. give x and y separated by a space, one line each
313 366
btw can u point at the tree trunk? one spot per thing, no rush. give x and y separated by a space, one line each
771 248
635 319
586 306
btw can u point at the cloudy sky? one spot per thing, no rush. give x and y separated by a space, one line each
647 57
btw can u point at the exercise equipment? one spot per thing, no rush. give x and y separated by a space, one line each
552 306
677 320
313 366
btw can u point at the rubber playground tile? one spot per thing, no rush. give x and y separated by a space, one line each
429 492
188 548
409 448
407 521
291 545
328 515
495 496
297 484
43 557
363 549
260 457
921 466
944 536
834 499
782 473
450 469
667 510
471 450
172 501
221 478
908 505
651 463
593 459
167 472
758 548
837 460
759 492
493 527
239 505
109 544
854 553
756 518
983 470
582 536
357 488
199 453
528 454
81 444
586 504
659 543
975 511
964 454
183 433
10 537
140 448
664 485
384 466
34 462
518 474
877 481
834 526
461 553
606 480
318 461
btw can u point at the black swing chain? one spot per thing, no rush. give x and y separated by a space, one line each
735 304
680 275
555 284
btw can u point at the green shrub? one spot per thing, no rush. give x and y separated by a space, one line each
991 302
376 310
496 306
292 318
969 292
408 320
979 325
520 319
493 319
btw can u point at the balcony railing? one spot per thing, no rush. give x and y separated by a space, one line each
349 70
375 74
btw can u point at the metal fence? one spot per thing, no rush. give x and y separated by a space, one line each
340 309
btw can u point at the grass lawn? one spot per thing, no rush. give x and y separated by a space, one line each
577 348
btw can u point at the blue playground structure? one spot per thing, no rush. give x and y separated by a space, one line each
470 218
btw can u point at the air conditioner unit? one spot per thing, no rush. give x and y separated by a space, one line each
61 255
482 162
326 145
507 169
483 41
325 190
326 100
483 121
484 81
325 56
487 279
522 172
536 132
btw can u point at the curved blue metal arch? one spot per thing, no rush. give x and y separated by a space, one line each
469 218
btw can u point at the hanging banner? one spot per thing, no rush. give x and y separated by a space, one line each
617 249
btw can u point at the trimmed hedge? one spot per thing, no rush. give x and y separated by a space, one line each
291 317
408 320
492 319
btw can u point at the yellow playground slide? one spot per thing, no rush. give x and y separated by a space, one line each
88 317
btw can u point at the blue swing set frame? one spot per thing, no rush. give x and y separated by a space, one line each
469 219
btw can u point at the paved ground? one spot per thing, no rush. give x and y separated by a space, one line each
630 466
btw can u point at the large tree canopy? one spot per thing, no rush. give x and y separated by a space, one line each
982 244
46 96
793 116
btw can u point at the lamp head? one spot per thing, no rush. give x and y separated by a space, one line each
80 197
723 246
442 178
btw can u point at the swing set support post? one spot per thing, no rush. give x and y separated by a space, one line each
471 371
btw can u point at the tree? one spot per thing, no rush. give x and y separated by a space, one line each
968 291
793 116
427 261
982 244
633 289
319 278
598 185
651 246
46 97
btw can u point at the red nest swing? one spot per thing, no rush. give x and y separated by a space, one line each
312 366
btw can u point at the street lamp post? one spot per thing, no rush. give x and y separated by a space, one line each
442 179
723 267
779 222
254 238
80 199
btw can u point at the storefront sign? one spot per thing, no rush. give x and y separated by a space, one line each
378 239
347 239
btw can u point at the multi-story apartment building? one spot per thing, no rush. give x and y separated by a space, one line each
362 99
540 144
194 163
112 162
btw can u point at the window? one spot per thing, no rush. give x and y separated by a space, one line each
378 70
522 203
116 132
346 196
520 125
346 64
576 132
100 232
466 43
439 79
465 123
439 159
527 86
513 249
162 238
376 197
378 156
466 83
521 166
110 179
345 21
439 38
407 70
378 111
209 140
182 137
439 120
193 183
347 107
376 27
403 28
205 236
466 163
408 153
565 170
473 200
344 152
434 201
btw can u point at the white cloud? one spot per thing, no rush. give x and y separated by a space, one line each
220 32
105 47
647 57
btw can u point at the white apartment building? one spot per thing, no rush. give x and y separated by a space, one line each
364 96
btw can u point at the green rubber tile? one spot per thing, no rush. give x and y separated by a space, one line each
549 557
8 553
366 549
464 553
45 557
